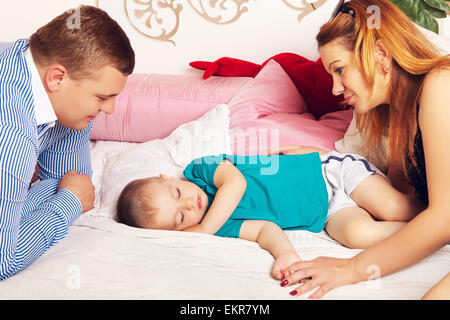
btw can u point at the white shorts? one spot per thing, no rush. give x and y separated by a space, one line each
342 173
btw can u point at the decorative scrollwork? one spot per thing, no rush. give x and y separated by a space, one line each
160 19
219 11
304 6
156 19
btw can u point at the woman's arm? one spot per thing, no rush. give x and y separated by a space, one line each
231 186
292 149
423 235
430 230
272 238
440 291
397 178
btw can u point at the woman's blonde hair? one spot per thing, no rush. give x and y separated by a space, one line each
413 57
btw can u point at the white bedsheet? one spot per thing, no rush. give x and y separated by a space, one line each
102 259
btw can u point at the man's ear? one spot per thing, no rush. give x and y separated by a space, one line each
54 77
382 55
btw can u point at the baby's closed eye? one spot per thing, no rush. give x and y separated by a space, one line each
179 218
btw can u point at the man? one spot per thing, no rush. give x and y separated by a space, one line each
52 86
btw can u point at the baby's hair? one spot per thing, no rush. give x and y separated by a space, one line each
134 205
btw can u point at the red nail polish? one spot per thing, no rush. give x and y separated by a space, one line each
293 293
285 282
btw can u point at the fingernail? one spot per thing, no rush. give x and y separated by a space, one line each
293 293
285 282
282 275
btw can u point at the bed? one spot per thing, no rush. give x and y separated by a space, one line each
161 122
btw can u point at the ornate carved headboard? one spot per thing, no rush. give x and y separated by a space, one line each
168 34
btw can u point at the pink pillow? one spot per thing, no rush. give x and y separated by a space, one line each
269 111
272 91
258 135
264 111
151 106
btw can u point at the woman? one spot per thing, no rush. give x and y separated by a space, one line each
399 87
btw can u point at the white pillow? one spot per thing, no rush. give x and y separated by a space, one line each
352 141
439 41
209 135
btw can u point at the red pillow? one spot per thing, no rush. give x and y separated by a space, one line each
310 78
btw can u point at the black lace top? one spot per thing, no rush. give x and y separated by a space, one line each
417 175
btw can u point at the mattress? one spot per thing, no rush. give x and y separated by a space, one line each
102 259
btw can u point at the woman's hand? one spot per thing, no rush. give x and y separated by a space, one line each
292 149
323 272
286 149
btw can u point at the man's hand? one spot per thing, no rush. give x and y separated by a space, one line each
81 186
35 175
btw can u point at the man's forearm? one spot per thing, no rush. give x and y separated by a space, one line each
45 218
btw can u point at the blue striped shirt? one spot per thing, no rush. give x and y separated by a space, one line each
33 219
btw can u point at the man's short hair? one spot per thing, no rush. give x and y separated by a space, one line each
85 47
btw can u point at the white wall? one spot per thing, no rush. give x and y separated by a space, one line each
20 18
268 27
446 27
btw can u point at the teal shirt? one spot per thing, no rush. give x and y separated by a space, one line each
287 190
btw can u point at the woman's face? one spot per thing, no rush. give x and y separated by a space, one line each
349 80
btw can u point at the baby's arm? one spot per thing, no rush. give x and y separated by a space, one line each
272 238
231 185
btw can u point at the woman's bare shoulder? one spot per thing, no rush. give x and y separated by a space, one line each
437 77
436 89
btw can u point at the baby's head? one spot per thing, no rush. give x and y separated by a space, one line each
161 203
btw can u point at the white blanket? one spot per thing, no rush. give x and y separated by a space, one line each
102 259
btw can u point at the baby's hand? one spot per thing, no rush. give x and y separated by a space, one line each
283 261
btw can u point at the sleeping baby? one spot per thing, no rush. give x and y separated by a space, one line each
236 196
